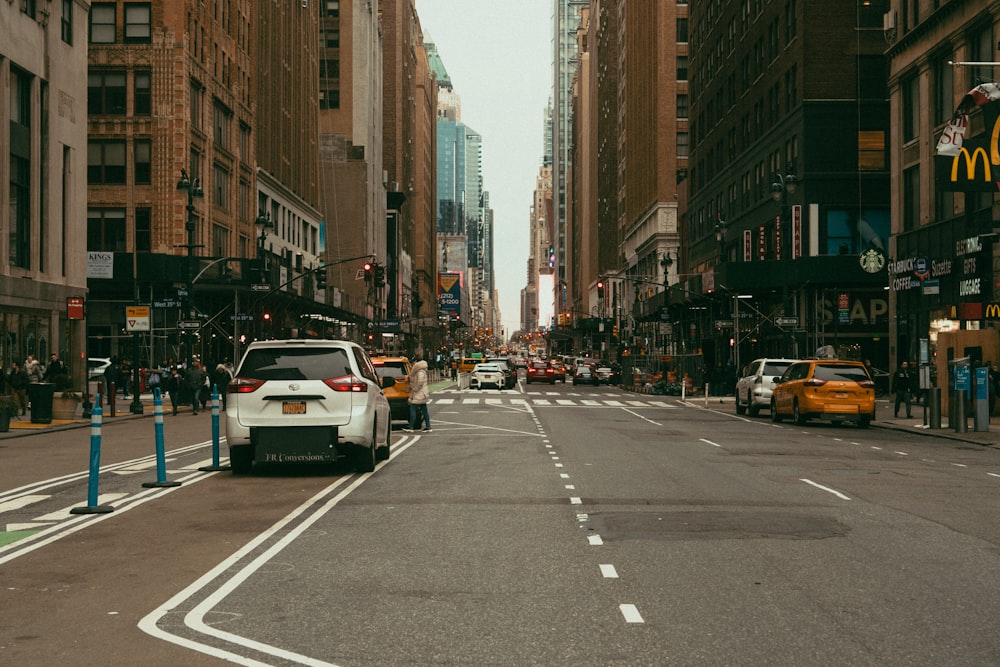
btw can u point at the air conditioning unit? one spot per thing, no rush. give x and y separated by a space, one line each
889 20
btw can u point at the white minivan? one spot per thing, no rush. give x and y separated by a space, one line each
755 383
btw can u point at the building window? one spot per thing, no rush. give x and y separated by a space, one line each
333 7
329 69
330 38
682 106
105 162
871 150
911 198
329 99
682 31
220 241
29 7
137 23
791 21
682 144
980 50
143 162
143 230
682 68
102 23
220 186
66 21
19 238
142 97
197 102
244 142
106 230
220 126
106 93
911 108
244 211
944 89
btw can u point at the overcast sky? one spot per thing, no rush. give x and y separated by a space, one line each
499 58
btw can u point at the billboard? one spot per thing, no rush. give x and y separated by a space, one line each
450 294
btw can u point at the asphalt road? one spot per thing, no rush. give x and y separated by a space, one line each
546 526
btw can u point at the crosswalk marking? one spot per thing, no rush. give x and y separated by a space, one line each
542 402
444 401
565 401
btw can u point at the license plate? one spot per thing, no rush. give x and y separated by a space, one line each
293 407
841 395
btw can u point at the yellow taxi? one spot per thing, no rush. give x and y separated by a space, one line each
466 364
833 389
398 368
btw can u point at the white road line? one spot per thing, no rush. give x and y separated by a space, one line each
17 527
595 540
470 401
542 401
559 465
714 444
638 404
564 401
587 401
575 500
18 503
566 475
609 572
570 487
959 465
631 613
443 401
494 401
993 474
825 488
615 404
636 414
903 453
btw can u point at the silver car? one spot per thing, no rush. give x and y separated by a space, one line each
307 401
754 386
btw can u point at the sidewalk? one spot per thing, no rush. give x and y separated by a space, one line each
21 425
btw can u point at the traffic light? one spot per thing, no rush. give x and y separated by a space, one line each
369 267
600 290
321 278
614 331
266 317
379 274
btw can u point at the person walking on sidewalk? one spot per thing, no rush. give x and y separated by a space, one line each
174 383
18 383
419 395
33 369
196 379
901 386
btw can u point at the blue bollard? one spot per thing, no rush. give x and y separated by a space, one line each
161 462
96 419
215 434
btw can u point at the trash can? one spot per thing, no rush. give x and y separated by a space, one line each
40 395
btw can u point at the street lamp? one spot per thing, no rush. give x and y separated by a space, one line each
263 221
784 185
666 263
193 188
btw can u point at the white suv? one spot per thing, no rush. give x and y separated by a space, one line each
755 383
306 401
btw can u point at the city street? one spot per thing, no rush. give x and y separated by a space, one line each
554 525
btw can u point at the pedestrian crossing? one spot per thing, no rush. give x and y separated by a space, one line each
550 399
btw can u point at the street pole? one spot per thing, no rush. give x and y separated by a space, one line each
193 188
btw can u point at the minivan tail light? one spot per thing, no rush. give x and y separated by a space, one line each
866 384
351 383
814 382
244 386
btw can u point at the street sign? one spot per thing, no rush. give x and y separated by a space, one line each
722 324
786 321
167 303
137 318
188 324
241 317
260 287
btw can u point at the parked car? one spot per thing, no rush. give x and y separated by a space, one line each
307 401
487 375
832 389
96 367
398 395
756 381
540 371
606 375
559 371
584 375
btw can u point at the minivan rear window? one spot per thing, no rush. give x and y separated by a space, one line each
296 364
